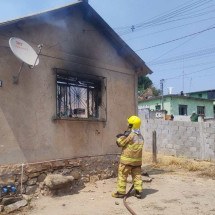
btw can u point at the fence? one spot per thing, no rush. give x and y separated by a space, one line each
188 139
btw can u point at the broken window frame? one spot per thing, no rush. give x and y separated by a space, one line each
84 96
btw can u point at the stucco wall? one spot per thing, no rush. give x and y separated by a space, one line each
171 104
27 130
188 139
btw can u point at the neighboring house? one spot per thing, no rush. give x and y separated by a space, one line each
206 94
79 96
179 105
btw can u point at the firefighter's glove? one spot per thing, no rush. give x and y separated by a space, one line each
126 133
119 135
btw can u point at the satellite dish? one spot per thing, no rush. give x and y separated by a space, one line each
23 51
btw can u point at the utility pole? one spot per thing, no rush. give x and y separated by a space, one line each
161 88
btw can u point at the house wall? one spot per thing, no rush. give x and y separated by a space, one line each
28 133
187 139
171 104
203 95
192 106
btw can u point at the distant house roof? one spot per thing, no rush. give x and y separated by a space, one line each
176 96
203 91
90 14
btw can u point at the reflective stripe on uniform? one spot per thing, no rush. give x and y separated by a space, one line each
130 159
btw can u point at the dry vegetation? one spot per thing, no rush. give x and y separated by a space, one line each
171 163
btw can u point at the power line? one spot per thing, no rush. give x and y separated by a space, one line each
158 20
180 38
187 74
189 66
185 56
167 29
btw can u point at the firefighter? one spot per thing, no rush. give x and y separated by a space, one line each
131 158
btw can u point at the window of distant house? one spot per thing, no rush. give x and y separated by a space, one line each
201 110
200 95
157 107
182 109
80 97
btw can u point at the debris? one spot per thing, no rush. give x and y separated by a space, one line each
116 203
15 206
56 181
31 189
10 200
1 208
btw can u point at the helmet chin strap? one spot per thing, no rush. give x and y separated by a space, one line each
130 126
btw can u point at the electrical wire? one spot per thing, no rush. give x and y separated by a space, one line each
185 67
167 29
176 39
168 16
187 74
191 55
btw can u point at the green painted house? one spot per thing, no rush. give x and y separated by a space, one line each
207 94
180 105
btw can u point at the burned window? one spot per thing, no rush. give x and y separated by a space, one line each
79 97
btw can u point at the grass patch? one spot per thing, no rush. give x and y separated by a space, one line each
205 168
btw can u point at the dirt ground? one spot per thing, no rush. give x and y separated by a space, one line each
169 193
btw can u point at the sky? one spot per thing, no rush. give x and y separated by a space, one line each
174 38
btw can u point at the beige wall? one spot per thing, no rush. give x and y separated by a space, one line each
27 131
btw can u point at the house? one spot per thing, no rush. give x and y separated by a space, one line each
207 94
179 105
74 102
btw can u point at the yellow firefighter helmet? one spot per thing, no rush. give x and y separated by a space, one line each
134 121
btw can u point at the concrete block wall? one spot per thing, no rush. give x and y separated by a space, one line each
188 139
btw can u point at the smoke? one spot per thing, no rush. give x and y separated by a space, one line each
11 9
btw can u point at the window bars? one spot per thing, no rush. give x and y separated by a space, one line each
78 97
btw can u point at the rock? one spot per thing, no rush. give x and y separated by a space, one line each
7 179
76 174
15 206
31 168
24 178
33 175
46 166
10 200
75 163
94 178
66 172
116 203
23 189
1 208
42 177
85 178
27 198
55 181
31 189
32 181
57 164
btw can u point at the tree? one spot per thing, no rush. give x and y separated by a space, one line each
145 83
